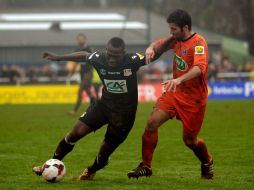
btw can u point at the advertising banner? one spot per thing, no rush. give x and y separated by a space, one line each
38 94
231 90
58 94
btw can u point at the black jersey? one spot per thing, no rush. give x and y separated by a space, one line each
120 88
85 68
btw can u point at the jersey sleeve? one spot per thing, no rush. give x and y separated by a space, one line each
162 40
201 55
93 58
138 60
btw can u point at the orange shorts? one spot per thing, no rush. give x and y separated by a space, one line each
191 117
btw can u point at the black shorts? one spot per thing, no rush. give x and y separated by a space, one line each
86 69
119 122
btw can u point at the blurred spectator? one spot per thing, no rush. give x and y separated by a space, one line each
73 69
155 72
50 70
217 58
226 65
54 69
247 67
212 72
5 71
17 73
33 73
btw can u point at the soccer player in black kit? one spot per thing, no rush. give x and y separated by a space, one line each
117 106
86 75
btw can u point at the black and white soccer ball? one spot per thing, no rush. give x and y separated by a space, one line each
53 170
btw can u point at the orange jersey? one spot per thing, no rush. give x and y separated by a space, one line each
189 53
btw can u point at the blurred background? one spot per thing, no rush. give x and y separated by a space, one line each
28 28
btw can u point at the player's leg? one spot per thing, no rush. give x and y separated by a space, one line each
192 123
88 77
66 145
78 101
79 98
100 161
118 129
90 121
164 110
150 135
149 142
198 146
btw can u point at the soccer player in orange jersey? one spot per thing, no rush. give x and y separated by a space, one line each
185 95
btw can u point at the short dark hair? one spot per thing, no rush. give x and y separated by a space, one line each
82 35
180 18
117 42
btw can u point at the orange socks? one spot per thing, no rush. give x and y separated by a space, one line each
201 151
149 142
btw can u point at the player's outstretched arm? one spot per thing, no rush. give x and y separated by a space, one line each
160 49
154 51
77 56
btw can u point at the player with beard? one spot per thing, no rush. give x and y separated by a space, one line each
185 95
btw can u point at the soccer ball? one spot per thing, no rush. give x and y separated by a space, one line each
53 170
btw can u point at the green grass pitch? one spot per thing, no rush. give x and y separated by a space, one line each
30 133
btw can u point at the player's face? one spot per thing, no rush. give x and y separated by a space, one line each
81 41
176 31
114 55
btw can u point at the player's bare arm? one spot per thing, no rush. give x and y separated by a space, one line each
171 85
77 56
154 51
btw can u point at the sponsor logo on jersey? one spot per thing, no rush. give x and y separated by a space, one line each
180 63
127 72
184 51
116 86
114 73
103 71
140 56
199 50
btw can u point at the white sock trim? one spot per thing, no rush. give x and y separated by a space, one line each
70 143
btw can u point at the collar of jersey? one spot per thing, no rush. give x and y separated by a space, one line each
189 37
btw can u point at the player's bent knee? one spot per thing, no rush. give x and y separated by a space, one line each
189 143
152 124
79 130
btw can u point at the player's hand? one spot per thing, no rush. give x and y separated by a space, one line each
149 54
50 56
170 85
